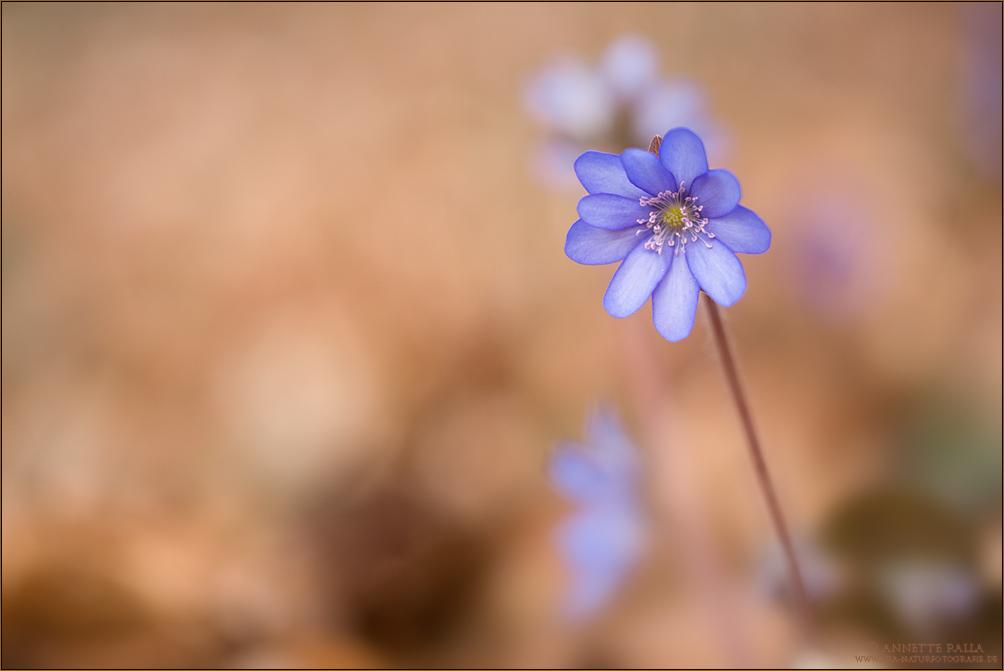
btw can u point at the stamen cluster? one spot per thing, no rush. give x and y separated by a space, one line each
676 217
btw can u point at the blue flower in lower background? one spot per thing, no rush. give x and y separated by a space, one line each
675 224
604 539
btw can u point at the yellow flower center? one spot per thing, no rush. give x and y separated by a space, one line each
674 217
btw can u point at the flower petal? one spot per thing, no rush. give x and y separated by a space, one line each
634 281
717 270
741 230
602 544
576 474
600 172
717 191
614 213
630 64
682 153
571 97
674 301
603 540
593 246
645 170
614 455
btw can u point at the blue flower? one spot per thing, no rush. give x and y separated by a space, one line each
620 101
675 224
571 98
666 103
630 65
604 539
834 276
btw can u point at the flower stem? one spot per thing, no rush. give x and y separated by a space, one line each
732 376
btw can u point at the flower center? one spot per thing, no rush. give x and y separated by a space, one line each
674 220
674 217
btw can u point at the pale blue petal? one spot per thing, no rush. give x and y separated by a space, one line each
741 230
645 170
615 455
593 583
717 270
682 153
603 429
717 191
576 474
602 543
667 103
595 246
634 281
603 540
674 301
600 172
629 65
569 96
614 213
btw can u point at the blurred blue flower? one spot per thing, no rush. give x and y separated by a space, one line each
622 102
640 205
833 275
629 65
604 539
571 98
668 103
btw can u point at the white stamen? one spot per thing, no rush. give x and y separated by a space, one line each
674 218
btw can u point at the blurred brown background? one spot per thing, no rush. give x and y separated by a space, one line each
288 332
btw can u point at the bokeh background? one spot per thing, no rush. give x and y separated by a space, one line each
289 336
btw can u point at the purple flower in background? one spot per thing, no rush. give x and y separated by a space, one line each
622 101
836 277
675 224
630 65
668 103
571 98
604 539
